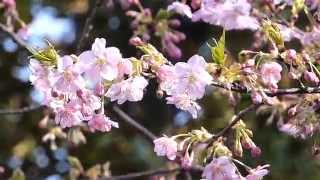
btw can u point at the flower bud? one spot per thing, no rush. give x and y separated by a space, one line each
136 41
311 77
186 161
99 89
256 97
255 152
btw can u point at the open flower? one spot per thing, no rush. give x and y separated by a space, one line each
271 74
184 102
220 168
127 90
101 62
192 77
102 123
180 8
258 173
228 14
165 146
39 76
68 77
68 115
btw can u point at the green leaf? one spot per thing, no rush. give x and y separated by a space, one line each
217 52
75 163
18 174
297 6
163 14
273 33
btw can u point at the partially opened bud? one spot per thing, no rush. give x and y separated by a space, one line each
311 77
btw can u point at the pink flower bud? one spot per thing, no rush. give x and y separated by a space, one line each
256 97
195 4
99 89
133 1
136 41
291 54
255 152
311 77
186 161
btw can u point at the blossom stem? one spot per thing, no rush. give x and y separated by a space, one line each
234 121
248 168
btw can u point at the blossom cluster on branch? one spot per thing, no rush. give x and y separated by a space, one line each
78 86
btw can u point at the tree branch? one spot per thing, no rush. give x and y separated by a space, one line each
134 123
161 171
20 111
234 121
278 92
88 25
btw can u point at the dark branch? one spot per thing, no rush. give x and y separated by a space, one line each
134 123
234 121
88 25
278 92
20 111
162 171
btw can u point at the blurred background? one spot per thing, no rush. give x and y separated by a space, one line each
61 22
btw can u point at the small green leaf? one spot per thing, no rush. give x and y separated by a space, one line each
217 52
18 174
75 163
273 33
297 6
163 14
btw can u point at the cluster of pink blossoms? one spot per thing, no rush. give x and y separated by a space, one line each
221 167
229 14
74 86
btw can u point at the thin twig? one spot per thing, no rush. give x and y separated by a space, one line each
88 25
15 37
134 123
21 110
162 171
278 92
234 121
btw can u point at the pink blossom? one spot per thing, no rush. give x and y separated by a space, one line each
220 168
256 97
289 129
271 74
183 102
68 115
24 32
192 77
88 103
258 173
127 90
101 123
100 62
68 77
311 77
125 67
195 4
228 14
180 8
186 161
39 76
165 146
9 3
167 77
